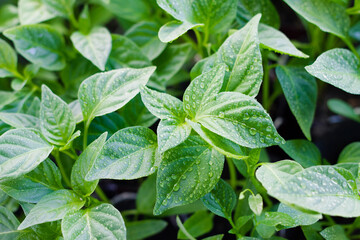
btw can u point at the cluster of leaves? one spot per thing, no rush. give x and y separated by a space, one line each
80 103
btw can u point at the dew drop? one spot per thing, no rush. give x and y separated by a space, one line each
252 131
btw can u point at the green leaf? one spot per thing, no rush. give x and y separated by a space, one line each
133 11
100 222
40 44
143 229
300 218
44 179
335 232
146 195
34 11
274 40
106 92
215 237
277 218
95 45
327 15
129 154
187 172
344 74
174 29
162 105
52 207
198 224
8 60
246 9
240 119
8 16
8 224
21 150
300 90
256 203
57 122
63 8
171 133
203 89
125 53
342 108
304 152
145 35
221 200
351 153
83 165
19 120
324 189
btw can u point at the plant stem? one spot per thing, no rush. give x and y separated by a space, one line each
61 167
266 83
330 220
86 129
199 42
351 46
101 194
183 229
190 40
232 172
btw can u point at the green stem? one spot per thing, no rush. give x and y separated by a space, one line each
199 41
61 167
266 83
71 155
190 40
183 229
232 172
86 130
101 194
351 46
330 220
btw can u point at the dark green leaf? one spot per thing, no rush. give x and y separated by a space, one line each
8 16
8 60
143 229
198 224
8 224
304 152
351 153
343 108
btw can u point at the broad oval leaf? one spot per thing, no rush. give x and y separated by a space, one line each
21 150
8 60
57 122
40 44
246 9
52 207
171 133
129 154
106 92
338 67
239 118
174 29
351 153
186 173
300 218
95 45
34 11
304 152
8 224
19 120
101 222
300 91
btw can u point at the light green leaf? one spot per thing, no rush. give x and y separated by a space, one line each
338 67
240 119
8 60
40 44
145 35
44 179
52 207
83 165
129 154
19 120
57 122
327 15
63 8
162 105
342 108
34 11
143 229
171 133
133 11
8 224
198 224
71 140
203 89
300 90
246 9
101 222
221 200
187 172
351 153
106 92
324 189
256 203
8 16
21 150
174 29
274 40
335 232
95 45
304 152
277 218
300 218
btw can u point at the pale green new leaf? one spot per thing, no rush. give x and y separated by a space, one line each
8 60
240 119
203 89
101 222
57 122
21 150
40 44
63 8
186 173
300 218
129 154
95 45
172 132
351 153
139 230
327 15
174 29
324 189
198 224
106 92
304 152
300 91
8 224
34 11
52 207
31 187
19 120
83 165
221 200
338 67
335 232
343 108
256 203
8 16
